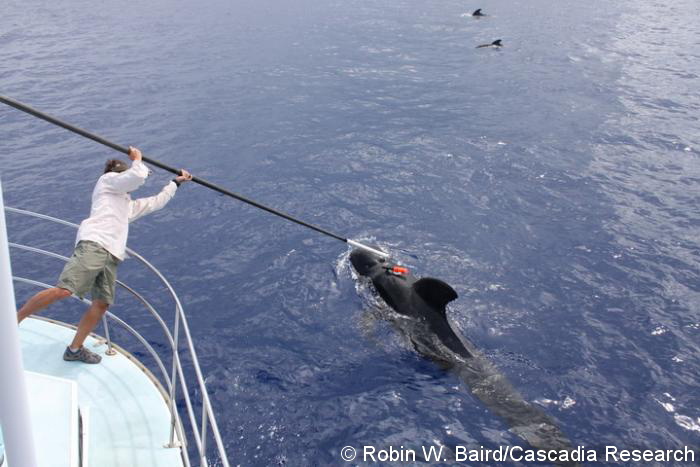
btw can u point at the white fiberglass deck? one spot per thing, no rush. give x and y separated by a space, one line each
54 401
125 415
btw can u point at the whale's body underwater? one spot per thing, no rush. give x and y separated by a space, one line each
423 301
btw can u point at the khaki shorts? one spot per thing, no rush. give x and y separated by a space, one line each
90 268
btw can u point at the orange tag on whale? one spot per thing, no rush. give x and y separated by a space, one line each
400 271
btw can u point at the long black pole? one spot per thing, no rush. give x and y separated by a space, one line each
32 111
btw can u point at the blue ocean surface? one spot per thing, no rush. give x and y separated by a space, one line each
554 183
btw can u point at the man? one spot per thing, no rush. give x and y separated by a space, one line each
101 246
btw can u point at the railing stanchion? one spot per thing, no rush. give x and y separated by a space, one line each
204 430
110 350
173 377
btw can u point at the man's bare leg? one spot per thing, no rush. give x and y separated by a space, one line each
41 300
88 322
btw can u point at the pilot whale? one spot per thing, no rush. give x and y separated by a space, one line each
423 301
478 13
495 44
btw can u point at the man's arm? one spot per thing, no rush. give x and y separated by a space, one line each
130 179
142 206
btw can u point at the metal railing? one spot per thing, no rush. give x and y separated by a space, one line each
206 425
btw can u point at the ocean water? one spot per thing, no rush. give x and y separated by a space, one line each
554 183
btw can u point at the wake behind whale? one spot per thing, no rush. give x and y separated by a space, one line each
424 302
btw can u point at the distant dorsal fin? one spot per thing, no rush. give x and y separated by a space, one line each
435 292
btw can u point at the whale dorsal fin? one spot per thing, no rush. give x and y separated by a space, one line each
435 292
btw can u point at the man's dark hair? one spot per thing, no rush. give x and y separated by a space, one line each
115 165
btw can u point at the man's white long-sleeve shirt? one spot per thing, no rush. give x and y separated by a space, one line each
113 209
